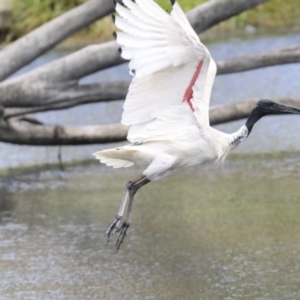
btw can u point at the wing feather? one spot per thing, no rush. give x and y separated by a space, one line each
141 14
137 31
176 124
181 19
164 53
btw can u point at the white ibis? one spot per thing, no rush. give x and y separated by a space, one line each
167 105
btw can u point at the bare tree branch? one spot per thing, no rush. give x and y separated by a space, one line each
44 93
76 65
82 94
34 133
250 62
37 42
30 120
22 133
215 11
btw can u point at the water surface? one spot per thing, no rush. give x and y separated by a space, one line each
202 233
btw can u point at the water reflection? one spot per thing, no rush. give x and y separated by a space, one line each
199 234
6 203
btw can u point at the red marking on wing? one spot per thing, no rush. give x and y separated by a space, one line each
189 91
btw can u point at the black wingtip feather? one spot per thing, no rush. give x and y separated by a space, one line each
115 2
173 2
113 17
115 35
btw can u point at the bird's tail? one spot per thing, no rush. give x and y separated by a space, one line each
116 157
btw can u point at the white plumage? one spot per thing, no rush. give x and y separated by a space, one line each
167 105
164 53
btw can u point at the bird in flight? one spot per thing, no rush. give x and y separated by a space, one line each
167 105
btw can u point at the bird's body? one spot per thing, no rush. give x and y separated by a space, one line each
198 146
167 105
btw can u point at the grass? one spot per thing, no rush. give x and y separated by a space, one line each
272 14
29 14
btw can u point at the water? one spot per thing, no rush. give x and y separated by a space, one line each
271 134
198 234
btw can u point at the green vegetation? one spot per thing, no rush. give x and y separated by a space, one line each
273 14
29 14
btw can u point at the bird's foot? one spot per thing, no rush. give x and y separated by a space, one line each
122 233
112 228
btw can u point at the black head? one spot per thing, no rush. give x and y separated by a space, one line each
268 107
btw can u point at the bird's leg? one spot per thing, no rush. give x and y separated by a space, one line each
132 187
114 224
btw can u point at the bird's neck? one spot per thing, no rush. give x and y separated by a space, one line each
223 143
231 141
239 136
255 115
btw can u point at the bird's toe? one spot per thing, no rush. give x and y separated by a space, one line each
112 228
122 234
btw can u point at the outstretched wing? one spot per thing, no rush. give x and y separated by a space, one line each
169 63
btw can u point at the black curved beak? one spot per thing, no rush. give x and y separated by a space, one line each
285 109
269 107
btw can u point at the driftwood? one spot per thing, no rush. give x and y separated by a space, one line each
32 132
55 85
250 62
